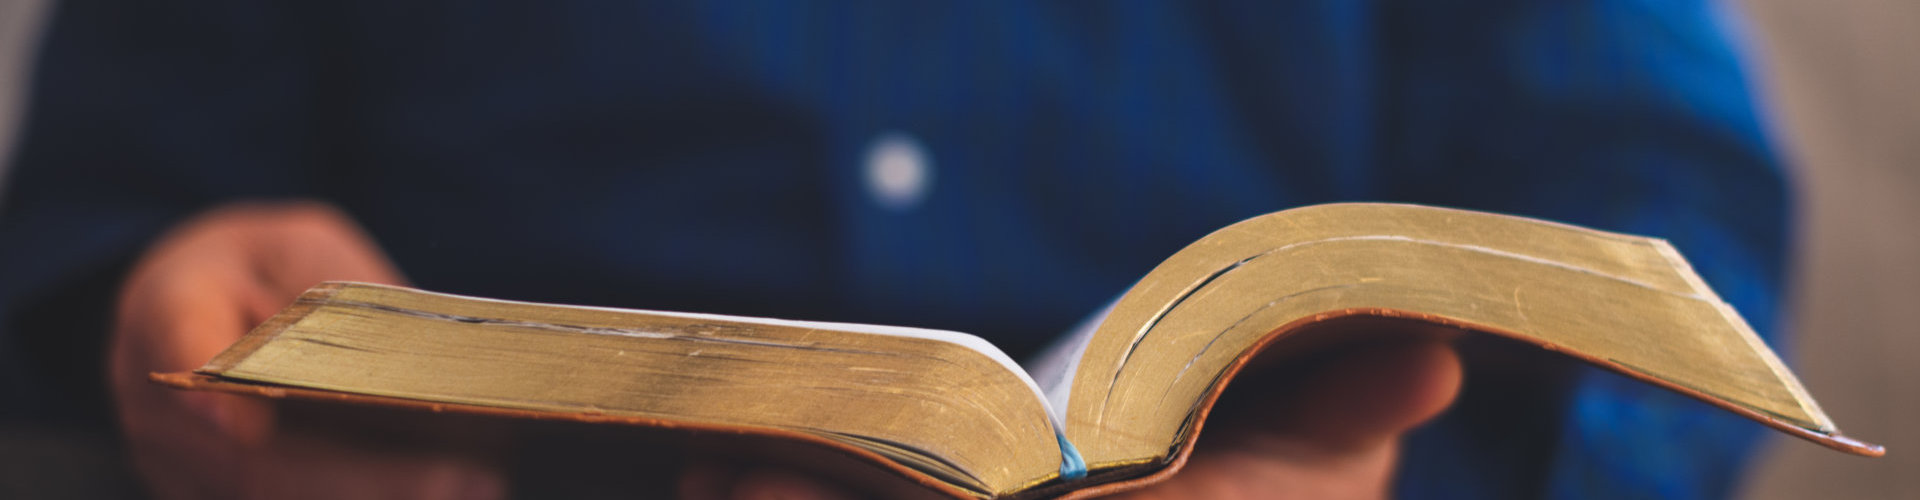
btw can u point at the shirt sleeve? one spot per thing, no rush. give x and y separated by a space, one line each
139 114
1628 115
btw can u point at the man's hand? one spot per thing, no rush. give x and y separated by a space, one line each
199 288
1335 439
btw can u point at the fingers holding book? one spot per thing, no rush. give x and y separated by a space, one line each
200 287
1335 436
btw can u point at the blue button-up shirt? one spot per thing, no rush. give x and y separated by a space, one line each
1000 168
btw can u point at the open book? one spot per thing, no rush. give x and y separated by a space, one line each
1117 405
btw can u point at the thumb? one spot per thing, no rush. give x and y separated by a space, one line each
776 484
707 480
1371 396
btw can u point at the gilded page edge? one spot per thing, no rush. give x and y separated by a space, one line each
305 304
1767 355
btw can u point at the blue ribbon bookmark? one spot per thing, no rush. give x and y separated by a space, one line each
1072 465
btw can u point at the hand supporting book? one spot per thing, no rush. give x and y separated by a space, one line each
202 286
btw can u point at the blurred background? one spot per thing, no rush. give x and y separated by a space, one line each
1841 81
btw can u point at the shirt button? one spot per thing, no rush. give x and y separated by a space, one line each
898 171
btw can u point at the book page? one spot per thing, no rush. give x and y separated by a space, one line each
1054 367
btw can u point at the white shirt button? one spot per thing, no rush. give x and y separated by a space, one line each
899 173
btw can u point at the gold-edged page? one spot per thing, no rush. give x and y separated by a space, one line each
1624 300
934 405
